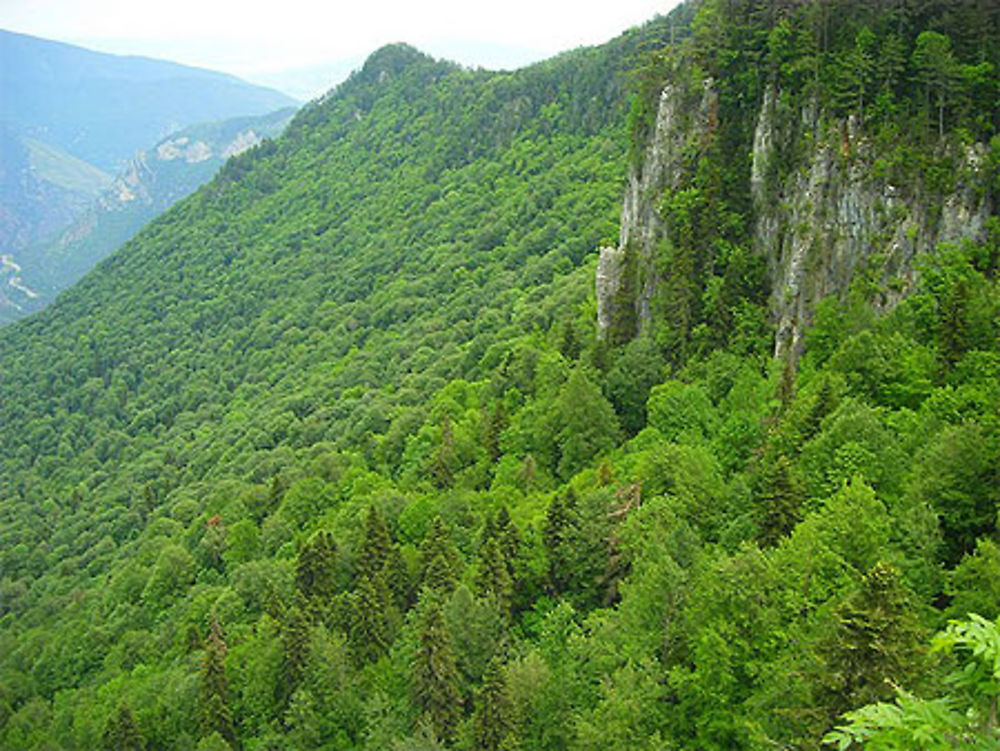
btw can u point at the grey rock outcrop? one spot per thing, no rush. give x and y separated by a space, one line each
821 211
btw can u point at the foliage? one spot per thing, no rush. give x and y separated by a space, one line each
344 406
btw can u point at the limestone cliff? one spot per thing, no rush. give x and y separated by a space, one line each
824 206
835 212
684 117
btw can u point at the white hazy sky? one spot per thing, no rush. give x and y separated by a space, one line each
255 40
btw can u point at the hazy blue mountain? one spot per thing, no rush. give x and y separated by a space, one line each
153 180
70 119
102 108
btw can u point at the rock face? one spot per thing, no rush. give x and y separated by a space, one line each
683 118
833 214
821 210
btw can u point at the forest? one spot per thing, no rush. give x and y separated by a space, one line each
331 456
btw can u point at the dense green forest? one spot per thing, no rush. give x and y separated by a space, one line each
330 456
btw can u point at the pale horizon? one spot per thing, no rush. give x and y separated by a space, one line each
301 44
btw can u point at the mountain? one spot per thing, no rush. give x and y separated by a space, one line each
103 108
348 450
41 190
70 120
153 181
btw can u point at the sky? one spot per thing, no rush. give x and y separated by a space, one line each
303 44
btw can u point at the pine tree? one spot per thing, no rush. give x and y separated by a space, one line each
121 732
937 70
216 715
493 721
435 684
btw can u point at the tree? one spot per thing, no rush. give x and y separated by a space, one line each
585 424
314 571
875 643
371 621
779 497
936 70
294 652
121 732
440 562
559 534
856 71
435 679
375 545
216 714
493 578
493 721
965 719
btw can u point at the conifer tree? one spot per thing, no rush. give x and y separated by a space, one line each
444 461
216 714
496 423
314 572
560 521
375 545
121 732
779 498
493 579
493 722
876 642
371 622
509 539
294 651
440 562
435 683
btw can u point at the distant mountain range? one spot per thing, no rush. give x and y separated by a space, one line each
153 180
71 119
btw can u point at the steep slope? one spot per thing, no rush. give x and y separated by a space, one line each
70 119
420 224
810 155
41 190
153 181
329 456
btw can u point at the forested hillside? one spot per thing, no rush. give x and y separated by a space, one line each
331 455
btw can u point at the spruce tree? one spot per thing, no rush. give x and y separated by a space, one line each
440 562
493 722
314 573
493 579
294 652
509 539
121 732
375 545
875 645
371 622
779 498
560 522
216 715
435 685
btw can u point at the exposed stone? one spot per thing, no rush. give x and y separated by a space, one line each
831 215
610 277
816 221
